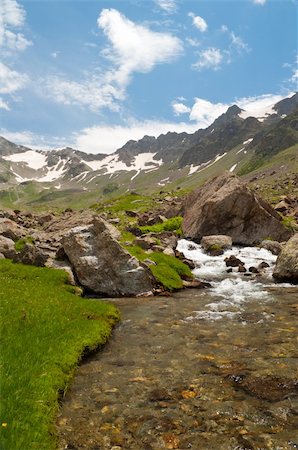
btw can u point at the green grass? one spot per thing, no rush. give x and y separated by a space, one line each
167 276
168 270
20 244
173 224
45 330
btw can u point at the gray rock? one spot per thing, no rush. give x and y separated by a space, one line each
31 255
216 243
225 205
286 268
273 246
6 246
102 265
11 229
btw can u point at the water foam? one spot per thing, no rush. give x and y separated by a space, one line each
230 290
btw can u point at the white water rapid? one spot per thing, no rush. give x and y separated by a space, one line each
230 290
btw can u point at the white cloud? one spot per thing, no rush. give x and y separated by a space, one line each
205 112
259 2
168 6
4 105
179 108
199 22
94 92
193 42
238 43
10 80
12 15
210 58
133 48
258 105
107 139
294 77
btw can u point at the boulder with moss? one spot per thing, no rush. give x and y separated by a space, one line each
101 264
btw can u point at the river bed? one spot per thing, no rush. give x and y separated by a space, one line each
203 369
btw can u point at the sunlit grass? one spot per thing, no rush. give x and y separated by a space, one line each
45 328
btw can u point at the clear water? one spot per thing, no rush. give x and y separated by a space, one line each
203 369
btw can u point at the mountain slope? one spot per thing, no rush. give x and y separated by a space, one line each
233 142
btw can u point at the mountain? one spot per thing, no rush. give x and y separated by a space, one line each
235 141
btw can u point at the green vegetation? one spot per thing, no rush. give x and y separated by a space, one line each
45 330
168 270
290 223
173 224
20 244
167 276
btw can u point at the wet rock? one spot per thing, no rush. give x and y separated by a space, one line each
233 261
286 268
102 265
159 395
215 245
269 388
253 269
273 246
225 205
263 265
196 284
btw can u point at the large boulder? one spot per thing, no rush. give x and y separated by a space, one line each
286 268
101 264
225 205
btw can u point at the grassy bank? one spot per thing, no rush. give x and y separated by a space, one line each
45 329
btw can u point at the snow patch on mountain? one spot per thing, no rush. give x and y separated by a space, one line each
112 164
54 172
35 160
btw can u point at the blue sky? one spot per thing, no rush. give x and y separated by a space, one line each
94 74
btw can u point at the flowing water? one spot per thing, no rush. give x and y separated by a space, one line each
204 369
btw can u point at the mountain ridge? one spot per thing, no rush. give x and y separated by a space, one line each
172 158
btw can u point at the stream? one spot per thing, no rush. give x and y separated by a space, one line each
210 369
